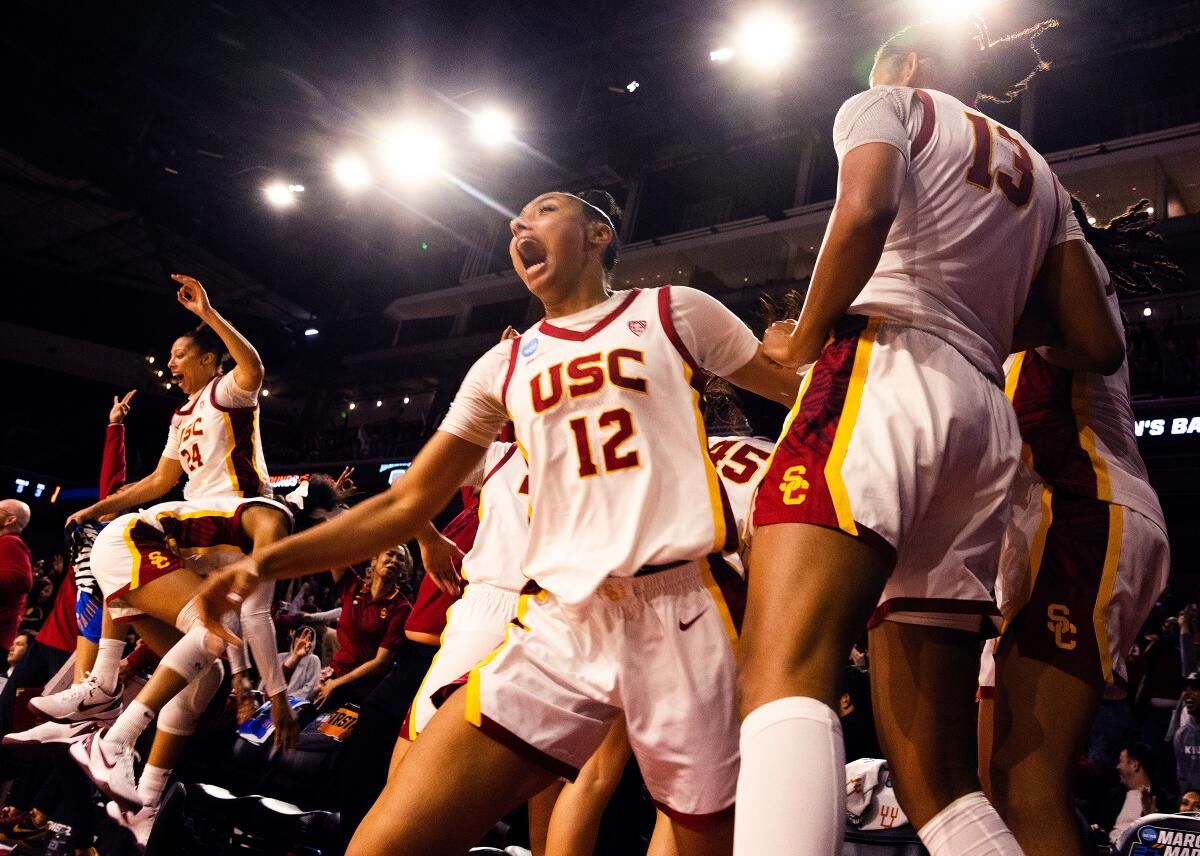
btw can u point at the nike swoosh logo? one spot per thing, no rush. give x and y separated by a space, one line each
685 625
84 708
100 752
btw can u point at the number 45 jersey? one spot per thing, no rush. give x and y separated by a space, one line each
978 210
215 438
608 417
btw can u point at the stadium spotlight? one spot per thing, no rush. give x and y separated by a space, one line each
766 40
351 172
378 403
406 399
266 392
1150 210
493 127
352 405
150 359
1147 311
722 54
311 331
632 86
279 194
412 153
953 10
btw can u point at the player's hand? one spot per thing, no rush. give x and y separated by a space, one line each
244 696
509 333
781 346
120 408
442 559
344 484
222 592
191 295
287 729
80 517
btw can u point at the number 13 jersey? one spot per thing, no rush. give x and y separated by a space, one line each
606 413
215 438
978 210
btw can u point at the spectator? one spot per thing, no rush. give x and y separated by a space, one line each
19 647
1185 737
1135 767
1190 801
301 667
16 570
371 627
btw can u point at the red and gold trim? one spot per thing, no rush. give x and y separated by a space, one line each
583 335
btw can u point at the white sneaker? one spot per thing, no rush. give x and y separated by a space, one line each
79 703
51 732
110 771
139 823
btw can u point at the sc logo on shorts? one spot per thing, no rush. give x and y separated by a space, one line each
1060 625
793 485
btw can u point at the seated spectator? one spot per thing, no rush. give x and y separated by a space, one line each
1135 767
370 627
1185 735
1190 801
15 653
301 667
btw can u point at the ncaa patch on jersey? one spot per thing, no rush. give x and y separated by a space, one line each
530 347
637 327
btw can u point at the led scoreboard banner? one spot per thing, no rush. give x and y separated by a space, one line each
1167 426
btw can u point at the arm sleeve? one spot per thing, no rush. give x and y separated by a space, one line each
718 339
477 413
882 114
171 450
112 465
229 394
329 616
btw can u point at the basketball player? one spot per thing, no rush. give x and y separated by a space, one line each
214 440
1084 559
887 495
626 506
149 565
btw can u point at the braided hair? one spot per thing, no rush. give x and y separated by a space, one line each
1129 249
996 71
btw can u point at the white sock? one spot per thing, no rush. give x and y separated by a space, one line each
108 663
791 792
152 783
129 726
969 825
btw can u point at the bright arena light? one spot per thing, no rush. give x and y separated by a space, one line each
353 405
722 54
311 331
351 172
1147 311
766 40
493 127
378 403
279 194
406 399
952 10
412 153
266 392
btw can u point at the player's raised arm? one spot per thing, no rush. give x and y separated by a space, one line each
868 196
248 372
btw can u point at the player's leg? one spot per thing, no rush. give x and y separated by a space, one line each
575 822
1042 719
438 803
662 842
811 591
540 809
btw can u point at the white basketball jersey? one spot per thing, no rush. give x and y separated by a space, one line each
218 447
609 422
741 463
503 530
978 211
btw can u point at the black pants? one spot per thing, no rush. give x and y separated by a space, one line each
368 752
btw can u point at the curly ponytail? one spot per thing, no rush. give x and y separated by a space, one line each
1003 69
1129 249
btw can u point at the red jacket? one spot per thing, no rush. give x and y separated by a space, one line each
16 579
